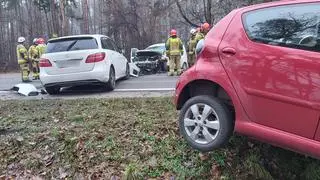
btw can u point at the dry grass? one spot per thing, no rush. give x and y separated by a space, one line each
126 139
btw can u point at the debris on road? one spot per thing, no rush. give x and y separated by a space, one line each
26 89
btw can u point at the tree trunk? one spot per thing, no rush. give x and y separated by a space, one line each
85 16
63 18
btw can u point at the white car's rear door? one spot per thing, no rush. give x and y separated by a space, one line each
119 61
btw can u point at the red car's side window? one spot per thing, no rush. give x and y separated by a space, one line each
293 26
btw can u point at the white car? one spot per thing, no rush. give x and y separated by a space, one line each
161 47
82 60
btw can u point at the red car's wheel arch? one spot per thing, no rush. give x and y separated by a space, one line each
194 83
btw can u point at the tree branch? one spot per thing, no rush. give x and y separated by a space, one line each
183 14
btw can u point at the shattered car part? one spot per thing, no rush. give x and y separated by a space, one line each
134 69
26 89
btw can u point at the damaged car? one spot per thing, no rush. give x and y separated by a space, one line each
148 61
153 59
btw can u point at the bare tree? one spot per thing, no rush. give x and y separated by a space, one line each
131 23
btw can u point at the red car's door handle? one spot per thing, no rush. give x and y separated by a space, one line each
229 51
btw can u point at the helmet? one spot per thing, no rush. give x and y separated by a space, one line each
173 32
41 41
35 41
21 39
193 31
205 26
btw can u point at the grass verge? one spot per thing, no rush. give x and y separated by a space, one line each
126 139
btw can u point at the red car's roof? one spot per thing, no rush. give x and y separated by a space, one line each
276 3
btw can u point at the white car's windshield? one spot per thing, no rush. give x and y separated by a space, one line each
160 49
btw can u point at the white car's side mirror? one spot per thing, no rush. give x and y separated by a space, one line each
199 46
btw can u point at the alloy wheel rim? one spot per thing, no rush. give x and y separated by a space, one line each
201 123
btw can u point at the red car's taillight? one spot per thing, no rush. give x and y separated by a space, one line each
45 63
96 57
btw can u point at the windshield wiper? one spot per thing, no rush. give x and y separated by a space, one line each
71 45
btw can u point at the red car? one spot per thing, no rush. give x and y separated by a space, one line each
258 74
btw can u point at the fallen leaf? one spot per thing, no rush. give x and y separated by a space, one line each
92 155
215 171
153 161
2 177
80 145
100 137
115 178
36 178
48 160
20 138
250 144
32 143
36 155
79 176
188 164
63 173
203 156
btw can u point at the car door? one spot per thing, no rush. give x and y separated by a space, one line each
121 61
110 54
275 67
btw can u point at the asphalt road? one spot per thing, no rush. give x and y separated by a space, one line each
143 86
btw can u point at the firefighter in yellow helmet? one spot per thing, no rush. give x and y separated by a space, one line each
174 50
34 58
204 29
41 47
192 47
22 56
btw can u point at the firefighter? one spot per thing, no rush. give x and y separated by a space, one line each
205 28
22 56
192 47
198 29
41 47
34 58
174 50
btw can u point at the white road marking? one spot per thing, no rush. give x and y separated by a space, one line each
5 92
149 89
